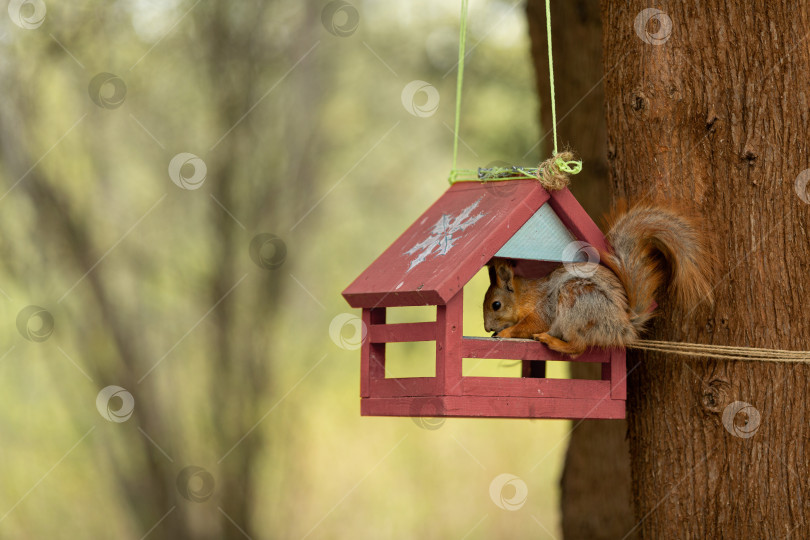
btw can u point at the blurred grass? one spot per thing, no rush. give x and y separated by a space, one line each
347 169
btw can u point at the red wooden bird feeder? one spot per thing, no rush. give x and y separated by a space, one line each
430 264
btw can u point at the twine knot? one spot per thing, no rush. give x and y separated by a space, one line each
554 172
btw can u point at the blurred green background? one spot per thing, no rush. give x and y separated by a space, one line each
295 114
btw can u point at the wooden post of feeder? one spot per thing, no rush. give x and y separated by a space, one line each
448 345
372 355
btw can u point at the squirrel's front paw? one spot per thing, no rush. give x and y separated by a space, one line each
542 338
505 333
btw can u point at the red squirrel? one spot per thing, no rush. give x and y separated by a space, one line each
580 305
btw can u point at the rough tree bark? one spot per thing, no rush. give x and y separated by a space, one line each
595 497
718 113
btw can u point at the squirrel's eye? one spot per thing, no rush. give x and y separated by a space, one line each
496 306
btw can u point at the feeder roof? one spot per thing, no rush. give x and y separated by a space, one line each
469 224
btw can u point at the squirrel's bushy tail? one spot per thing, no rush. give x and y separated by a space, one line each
652 245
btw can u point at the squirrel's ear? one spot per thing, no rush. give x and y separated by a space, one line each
492 280
505 274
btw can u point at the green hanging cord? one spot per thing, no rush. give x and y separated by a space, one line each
570 167
552 173
551 76
462 44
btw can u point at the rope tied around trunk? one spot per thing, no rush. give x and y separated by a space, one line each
723 352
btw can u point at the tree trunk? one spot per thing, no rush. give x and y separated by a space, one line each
595 484
714 110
